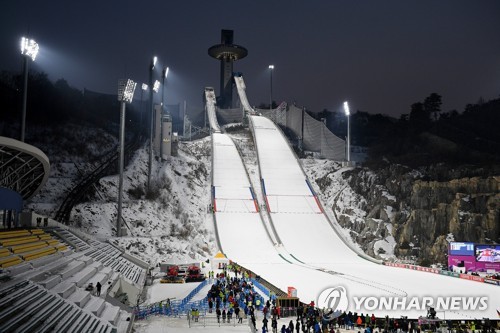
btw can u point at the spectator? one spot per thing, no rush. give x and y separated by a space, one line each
218 313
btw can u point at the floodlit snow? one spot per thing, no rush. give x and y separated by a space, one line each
312 256
293 245
161 291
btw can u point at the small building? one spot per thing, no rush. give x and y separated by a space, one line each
219 260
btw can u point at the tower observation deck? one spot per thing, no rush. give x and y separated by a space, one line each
227 53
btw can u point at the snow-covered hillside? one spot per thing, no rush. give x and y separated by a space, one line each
172 221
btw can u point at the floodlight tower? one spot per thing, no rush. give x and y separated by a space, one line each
151 128
29 49
163 78
144 88
347 114
227 53
271 69
126 90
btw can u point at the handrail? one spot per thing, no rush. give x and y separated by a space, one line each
77 192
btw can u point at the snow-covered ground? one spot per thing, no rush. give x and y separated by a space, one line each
313 257
162 291
176 225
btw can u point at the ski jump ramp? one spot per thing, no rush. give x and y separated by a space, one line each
311 256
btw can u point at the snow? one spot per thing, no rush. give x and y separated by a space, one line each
450 237
306 251
389 196
161 291
312 257
387 245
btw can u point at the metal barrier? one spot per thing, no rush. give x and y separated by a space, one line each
288 312
261 287
174 308
210 319
185 306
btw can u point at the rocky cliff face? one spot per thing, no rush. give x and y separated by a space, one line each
465 209
422 215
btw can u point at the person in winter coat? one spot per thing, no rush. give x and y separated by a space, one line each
317 328
290 326
274 325
241 314
236 312
264 325
218 313
359 322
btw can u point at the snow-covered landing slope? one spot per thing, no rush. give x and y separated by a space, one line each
306 233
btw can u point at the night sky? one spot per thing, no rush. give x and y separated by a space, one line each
382 56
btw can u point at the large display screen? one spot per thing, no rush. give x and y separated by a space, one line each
488 253
461 249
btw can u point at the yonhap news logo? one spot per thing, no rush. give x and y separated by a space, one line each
335 300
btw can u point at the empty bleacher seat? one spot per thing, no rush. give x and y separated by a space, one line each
38 253
14 233
10 261
28 247
4 252
18 240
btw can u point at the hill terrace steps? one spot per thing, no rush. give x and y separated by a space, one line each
48 294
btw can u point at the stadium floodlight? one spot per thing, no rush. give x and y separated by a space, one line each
151 118
346 108
271 67
126 90
153 62
144 88
29 48
348 113
164 75
156 86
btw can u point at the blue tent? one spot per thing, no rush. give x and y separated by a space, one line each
10 200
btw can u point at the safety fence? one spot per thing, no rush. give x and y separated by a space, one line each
185 306
313 135
210 319
174 307
447 273
263 289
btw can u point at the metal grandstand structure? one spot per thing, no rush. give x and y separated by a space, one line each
23 168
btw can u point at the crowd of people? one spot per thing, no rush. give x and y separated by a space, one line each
233 297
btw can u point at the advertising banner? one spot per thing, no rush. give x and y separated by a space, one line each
461 249
488 253
471 277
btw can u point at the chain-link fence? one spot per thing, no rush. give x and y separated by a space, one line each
312 134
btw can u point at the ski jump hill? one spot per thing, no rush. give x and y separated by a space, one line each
277 228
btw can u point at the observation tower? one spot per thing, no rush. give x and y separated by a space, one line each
227 53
